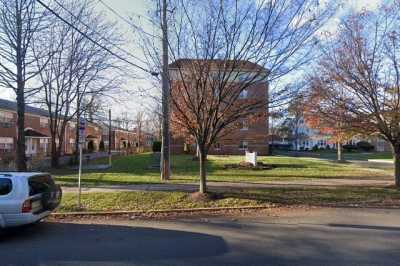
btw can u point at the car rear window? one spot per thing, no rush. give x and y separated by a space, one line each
5 186
40 184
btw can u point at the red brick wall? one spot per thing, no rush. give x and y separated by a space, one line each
256 135
33 121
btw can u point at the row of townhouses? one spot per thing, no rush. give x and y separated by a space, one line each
38 137
308 138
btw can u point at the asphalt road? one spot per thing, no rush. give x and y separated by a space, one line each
317 237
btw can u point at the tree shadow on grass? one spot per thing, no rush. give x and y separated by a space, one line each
349 196
47 243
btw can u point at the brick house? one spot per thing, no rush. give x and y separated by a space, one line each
122 139
37 133
248 136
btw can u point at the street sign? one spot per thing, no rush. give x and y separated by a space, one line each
82 126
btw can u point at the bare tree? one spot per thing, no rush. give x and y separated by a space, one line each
231 47
139 125
363 61
94 105
124 121
155 122
20 22
78 68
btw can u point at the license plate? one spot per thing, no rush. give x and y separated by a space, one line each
36 205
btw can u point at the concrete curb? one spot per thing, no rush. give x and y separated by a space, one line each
104 213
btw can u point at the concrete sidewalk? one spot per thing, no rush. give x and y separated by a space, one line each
217 186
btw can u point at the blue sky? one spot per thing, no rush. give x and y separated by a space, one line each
125 8
139 7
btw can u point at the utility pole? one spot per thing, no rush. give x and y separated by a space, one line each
138 135
165 152
82 126
109 137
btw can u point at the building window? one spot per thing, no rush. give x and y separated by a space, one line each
44 145
244 145
44 122
6 119
245 125
6 144
243 94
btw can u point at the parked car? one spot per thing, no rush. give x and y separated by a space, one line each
26 197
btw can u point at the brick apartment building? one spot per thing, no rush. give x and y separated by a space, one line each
250 136
122 139
38 137
36 130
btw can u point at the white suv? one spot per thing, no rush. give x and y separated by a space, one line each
26 197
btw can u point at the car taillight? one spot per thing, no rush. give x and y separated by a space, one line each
26 206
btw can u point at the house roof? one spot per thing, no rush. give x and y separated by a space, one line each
241 64
12 106
33 133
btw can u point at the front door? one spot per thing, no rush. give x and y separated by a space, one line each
30 146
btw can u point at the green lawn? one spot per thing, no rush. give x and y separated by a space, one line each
134 169
144 201
322 196
129 201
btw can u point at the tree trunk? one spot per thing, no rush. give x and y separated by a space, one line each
197 155
396 161
339 152
203 171
54 153
21 156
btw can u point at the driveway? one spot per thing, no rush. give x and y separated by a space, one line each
296 237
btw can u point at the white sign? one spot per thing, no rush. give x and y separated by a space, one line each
4 140
251 157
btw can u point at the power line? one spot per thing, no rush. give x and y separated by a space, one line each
88 27
93 41
116 13
124 19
